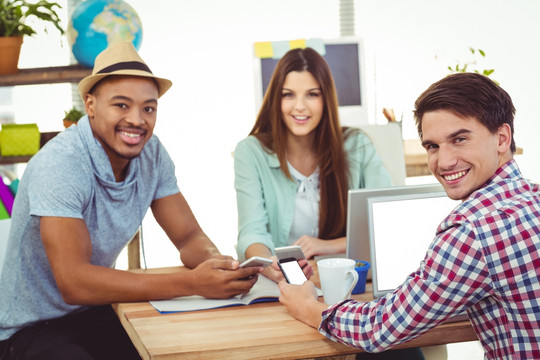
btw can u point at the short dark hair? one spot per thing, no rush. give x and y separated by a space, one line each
468 95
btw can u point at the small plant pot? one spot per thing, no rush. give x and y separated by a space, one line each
362 268
68 123
10 49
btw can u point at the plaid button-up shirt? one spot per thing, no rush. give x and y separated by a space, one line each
485 259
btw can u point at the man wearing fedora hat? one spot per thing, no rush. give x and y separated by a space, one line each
81 199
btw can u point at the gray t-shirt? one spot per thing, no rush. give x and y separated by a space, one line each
72 177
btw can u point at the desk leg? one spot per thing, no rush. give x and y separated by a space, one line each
134 251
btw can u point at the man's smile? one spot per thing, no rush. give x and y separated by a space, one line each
456 175
132 137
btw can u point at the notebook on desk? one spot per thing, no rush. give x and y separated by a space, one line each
401 229
358 247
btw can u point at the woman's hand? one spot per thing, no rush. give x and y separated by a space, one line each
312 246
273 272
306 268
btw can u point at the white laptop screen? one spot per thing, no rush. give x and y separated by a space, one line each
401 228
357 216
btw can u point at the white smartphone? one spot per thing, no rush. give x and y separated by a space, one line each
256 261
288 252
292 271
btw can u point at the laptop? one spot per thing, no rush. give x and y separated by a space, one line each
401 229
358 247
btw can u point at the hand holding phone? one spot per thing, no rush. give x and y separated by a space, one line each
292 271
288 257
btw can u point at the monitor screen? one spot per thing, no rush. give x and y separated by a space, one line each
344 63
345 58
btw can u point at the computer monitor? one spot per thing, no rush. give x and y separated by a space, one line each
401 228
357 216
346 59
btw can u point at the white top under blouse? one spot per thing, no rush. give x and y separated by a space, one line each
306 213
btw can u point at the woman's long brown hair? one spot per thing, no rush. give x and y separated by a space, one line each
271 131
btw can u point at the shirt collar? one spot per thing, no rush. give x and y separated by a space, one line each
273 160
100 160
507 171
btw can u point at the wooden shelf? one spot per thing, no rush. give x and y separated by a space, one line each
47 75
36 76
7 160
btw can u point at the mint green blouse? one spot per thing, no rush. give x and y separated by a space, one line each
266 197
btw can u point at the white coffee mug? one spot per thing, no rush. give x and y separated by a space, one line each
338 278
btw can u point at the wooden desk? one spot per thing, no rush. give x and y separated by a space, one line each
259 331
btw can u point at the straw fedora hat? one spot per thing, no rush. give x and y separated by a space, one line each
121 58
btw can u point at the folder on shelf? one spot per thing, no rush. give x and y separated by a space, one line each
6 197
3 212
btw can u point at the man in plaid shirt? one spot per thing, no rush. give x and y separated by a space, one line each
485 257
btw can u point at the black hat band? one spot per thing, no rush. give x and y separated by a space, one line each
127 65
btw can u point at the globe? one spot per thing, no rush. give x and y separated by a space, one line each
96 24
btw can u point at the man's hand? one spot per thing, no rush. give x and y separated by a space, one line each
302 303
273 272
221 278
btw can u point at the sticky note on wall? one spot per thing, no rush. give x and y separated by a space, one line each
298 44
276 49
264 49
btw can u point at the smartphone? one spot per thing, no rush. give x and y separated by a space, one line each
292 271
288 252
256 261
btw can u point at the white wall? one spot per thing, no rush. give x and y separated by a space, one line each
211 105
416 40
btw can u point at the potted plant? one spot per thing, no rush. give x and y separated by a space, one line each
13 17
71 116
472 65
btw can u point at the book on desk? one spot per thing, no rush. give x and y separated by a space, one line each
264 290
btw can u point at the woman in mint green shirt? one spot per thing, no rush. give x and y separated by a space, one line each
293 172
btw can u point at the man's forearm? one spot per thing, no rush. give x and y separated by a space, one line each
313 315
197 249
96 285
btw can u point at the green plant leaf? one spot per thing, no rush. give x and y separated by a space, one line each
14 13
73 114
